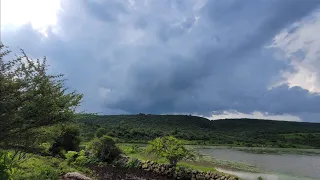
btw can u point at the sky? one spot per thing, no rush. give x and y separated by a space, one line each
212 58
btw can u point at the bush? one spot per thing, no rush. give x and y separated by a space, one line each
7 165
100 132
68 140
105 149
76 158
134 149
37 167
170 148
133 163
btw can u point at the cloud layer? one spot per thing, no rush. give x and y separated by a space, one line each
183 56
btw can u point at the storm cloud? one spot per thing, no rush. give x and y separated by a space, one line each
178 56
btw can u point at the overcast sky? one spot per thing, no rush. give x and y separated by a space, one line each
214 58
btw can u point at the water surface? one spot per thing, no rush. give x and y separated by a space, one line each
290 165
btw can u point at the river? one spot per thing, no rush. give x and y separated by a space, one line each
275 167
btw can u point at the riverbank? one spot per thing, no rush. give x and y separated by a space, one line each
264 150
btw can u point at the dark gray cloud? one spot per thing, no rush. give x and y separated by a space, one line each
174 56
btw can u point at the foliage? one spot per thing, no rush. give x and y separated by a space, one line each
134 149
76 158
105 149
260 178
201 131
170 148
100 132
44 167
68 140
30 98
7 165
133 163
44 172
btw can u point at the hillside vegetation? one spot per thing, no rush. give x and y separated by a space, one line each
197 130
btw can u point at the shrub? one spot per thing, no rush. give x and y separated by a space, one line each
170 148
100 132
134 149
37 167
76 158
7 165
68 140
105 149
133 163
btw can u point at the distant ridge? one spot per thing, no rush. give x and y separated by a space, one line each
200 130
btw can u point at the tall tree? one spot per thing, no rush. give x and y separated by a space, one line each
30 98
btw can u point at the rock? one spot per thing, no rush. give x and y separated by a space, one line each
144 166
74 176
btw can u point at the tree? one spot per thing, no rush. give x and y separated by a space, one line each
100 132
68 140
170 148
105 148
30 98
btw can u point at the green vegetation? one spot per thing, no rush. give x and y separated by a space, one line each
105 149
68 140
30 99
142 154
34 105
100 132
169 148
199 162
142 128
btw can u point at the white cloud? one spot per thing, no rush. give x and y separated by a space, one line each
39 13
254 115
300 43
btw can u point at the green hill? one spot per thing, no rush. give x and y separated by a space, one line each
198 130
